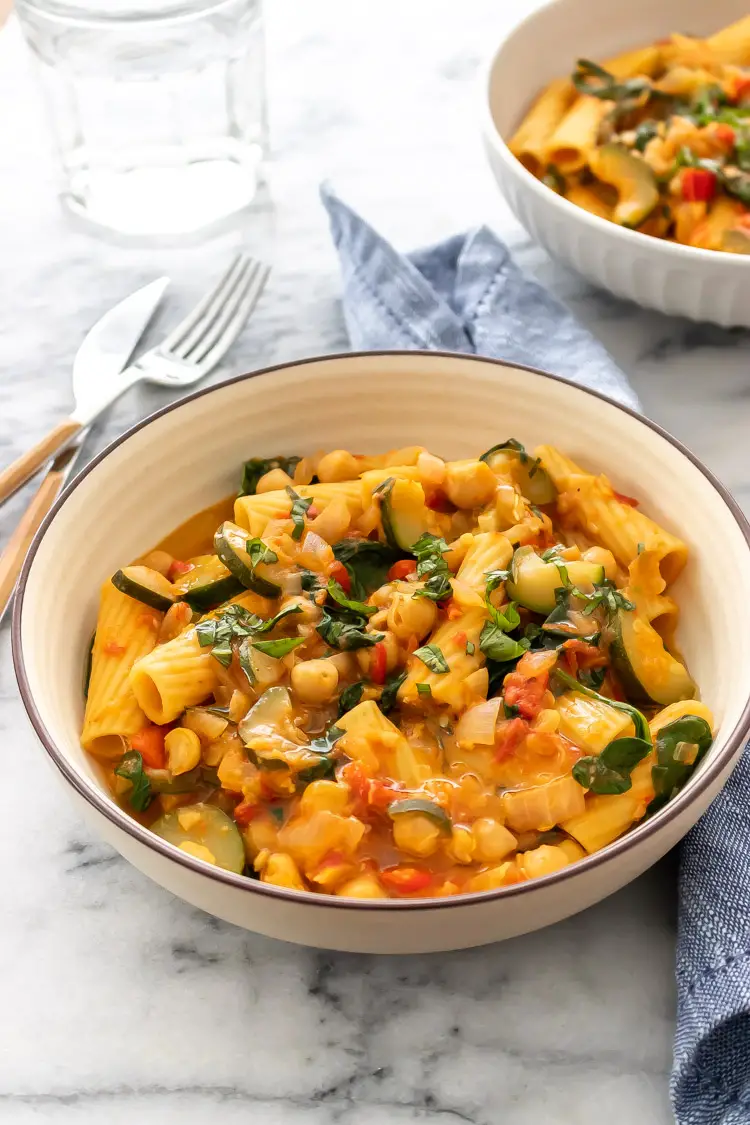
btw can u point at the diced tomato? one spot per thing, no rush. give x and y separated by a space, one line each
176 568
743 221
358 783
245 812
460 638
453 610
379 665
149 743
380 794
508 737
406 880
725 134
525 693
741 88
578 654
698 185
401 570
438 502
312 512
113 649
629 500
331 859
340 574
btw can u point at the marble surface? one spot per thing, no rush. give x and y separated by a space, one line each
121 1003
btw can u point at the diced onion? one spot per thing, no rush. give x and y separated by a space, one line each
315 552
476 727
291 583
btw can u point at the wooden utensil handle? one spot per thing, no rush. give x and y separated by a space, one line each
27 464
12 557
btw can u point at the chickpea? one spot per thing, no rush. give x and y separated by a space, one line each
431 469
409 616
364 886
315 681
572 850
324 794
416 833
468 484
462 844
274 481
183 750
493 840
337 465
543 860
282 871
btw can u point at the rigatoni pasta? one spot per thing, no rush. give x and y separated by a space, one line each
399 676
657 139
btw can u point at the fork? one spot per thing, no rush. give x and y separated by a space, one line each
188 354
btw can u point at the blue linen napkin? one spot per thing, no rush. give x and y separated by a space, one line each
467 295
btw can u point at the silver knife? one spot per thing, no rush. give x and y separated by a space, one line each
105 351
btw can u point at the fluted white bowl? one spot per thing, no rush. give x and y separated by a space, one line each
675 279
187 456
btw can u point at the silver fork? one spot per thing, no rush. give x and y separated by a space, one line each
187 355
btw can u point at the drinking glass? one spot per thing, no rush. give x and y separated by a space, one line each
158 108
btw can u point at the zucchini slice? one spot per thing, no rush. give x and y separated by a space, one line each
208 584
648 673
207 833
533 581
146 586
427 808
404 513
534 482
637 190
230 543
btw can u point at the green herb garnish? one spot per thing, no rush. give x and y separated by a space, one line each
131 768
432 656
639 720
279 647
338 594
298 512
257 467
387 700
679 746
351 696
424 689
610 771
431 565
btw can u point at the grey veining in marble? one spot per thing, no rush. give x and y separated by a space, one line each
119 1002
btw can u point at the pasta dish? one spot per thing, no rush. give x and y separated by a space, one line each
657 140
398 676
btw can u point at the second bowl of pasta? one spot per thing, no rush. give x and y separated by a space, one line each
414 685
623 145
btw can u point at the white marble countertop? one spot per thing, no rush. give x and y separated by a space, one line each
123 1004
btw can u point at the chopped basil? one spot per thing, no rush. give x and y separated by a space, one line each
514 446
260 553
432 656
350 697
679 746
387 700
298 512
470 648
279 647
424 689
277 813
640 548
338 594
591 79
234 623
494 640
130 767
257 467
610 771
592 677
645 132
604 594
510 710
326 763
494 579
431 565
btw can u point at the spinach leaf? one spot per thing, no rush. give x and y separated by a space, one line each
130 767
326 763
639 720
592 677
337 593
432 656
311 582
592 79
257 467
87 666
345 634
387 700
429 550
367 562
350 697
645 132
278 647
679 745
298 512
234 623
610 771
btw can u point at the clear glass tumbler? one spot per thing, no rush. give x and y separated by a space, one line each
158 108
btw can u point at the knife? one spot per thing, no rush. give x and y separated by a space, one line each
105 351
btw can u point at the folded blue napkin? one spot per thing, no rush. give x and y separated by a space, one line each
467 295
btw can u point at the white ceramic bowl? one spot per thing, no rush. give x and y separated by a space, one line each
187 456
683 280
